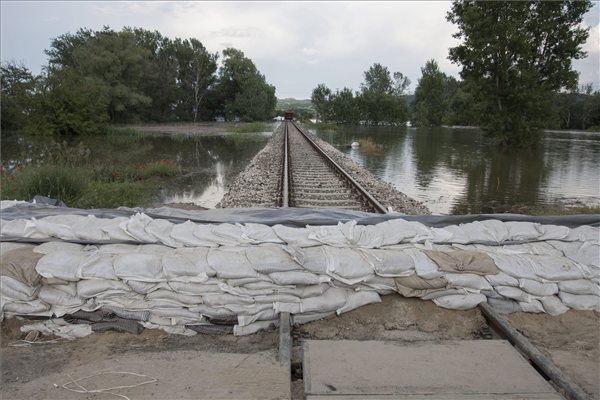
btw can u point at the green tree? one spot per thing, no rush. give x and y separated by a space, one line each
514 56
321 100
17 85
431 101
381 99
239 80
344 107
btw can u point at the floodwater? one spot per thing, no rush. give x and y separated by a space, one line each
208 162
459 170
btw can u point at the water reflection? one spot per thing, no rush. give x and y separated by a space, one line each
207 162
459 171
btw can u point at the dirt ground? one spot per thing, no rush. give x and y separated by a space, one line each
572 340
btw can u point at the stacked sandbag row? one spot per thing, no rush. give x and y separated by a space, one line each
177 287
140 228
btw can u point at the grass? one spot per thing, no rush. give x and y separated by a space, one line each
88 186
562 210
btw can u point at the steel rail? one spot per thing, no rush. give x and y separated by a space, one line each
285 198
372 201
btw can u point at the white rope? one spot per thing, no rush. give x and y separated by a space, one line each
82 389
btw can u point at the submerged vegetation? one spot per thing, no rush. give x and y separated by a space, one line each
65 173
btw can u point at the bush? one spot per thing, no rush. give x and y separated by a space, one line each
116 194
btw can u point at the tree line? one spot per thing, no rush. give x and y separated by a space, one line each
132 75
516 77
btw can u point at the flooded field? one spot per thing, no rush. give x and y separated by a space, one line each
458 171
208 157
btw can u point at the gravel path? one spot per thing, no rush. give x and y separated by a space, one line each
258 184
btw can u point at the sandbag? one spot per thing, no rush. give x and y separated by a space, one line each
579 286
553 306
267 259
390 262
230 263
19 264
537 288
467 281
460 301
139 267
580 301
463 261
358 299
62 265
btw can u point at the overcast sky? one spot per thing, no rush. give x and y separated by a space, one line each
297 45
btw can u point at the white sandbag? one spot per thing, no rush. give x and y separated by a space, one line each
229 234
424 267
532 307
492 230
329 235
69 288
223 299
381 284
276 297
161 230
539 248
513 293
353 232
255 327
184 234
253 279
514 265
504 306
230 263
371 237
174 297
135 227
267 259
265 315
586 253
115 228
537 288
305 291
467 281
434 294
88 288
518 230
173 330
502 279
144 287
16 290
31 307
52 247
60 328
584 233
61 265
51 295
390 262
553 232
294 236
16 229
579 286
398 231
555 269
331 300
98 265
460 301
298 278
553 305
190 267
194 288
347 265
55 226
358 299
248 309
312 259
139 267
580 301
89 229
259 233
212 312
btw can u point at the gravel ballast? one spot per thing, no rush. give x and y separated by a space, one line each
258 185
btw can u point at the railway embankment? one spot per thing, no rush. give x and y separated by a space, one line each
259 184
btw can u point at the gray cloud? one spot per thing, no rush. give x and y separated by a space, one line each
295 44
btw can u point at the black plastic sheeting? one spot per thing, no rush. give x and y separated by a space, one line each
296 217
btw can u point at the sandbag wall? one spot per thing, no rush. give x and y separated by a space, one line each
173 275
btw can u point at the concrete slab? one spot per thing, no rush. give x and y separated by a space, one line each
471 369
181 375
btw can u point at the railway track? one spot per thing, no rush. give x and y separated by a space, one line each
312 179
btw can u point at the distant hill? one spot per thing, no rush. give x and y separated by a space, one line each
302 107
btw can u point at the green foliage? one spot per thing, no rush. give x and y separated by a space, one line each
578 109
115 194
17 86
58 182
242 91
431 100
514 56
321 100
